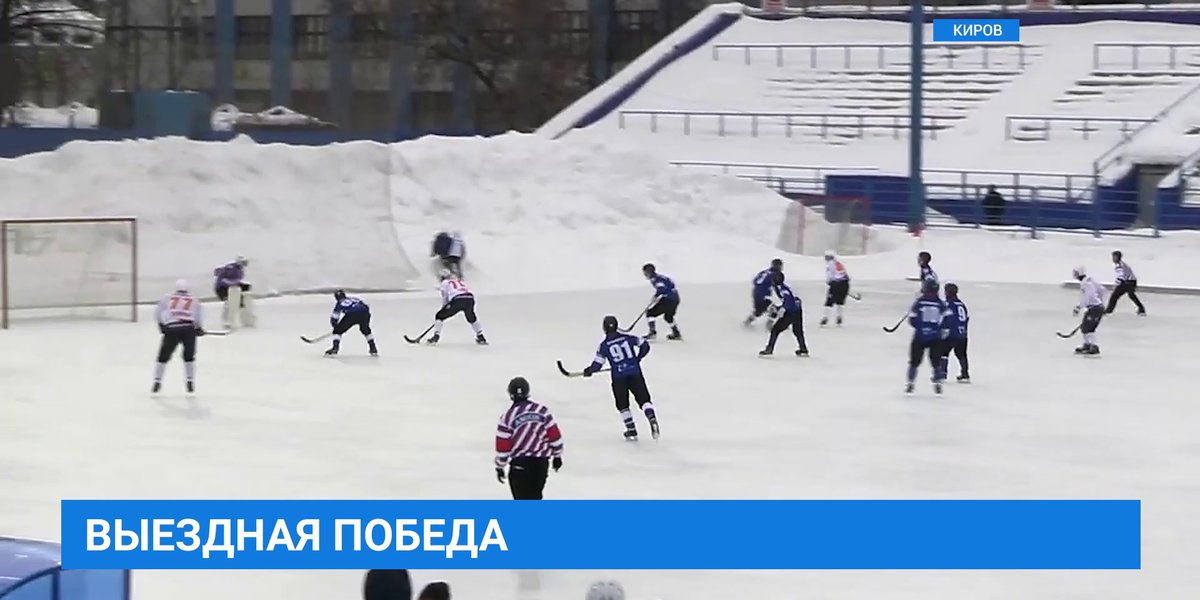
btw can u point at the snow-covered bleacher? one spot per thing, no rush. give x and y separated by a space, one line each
1057 117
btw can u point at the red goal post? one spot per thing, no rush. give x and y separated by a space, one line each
80 266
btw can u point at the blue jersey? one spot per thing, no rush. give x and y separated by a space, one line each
664 287
790 302
623 352
958 319
762 284
348 306
927 317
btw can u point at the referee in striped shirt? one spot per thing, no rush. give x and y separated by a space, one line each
528 442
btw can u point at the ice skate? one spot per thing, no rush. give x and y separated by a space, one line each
909 387
674 335
824 321
937 388
1093 350
630 434
482 341
653 428
433 339
650 335
191 387
963 379
802 353
1082 349
156 387
766 352
1141 313
839 321
371 346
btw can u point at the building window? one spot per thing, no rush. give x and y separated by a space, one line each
253 38
369 35
199 37
311 37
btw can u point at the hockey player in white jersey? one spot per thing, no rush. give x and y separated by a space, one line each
1091 303
837 282
181 320
456 298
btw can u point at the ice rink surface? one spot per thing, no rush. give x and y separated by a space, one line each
275 419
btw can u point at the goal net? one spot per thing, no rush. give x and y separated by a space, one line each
819 223
68 267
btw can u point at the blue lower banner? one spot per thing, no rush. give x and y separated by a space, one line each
601 534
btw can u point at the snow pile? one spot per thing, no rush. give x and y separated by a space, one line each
73 115
536 214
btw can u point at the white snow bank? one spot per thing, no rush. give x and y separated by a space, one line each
536 214
73 115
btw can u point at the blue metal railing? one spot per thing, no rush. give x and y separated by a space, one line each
1135 50
826 123
1126 125
949 52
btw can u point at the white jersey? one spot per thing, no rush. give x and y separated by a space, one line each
454 288
1124 273
835 271
1091 293
179 308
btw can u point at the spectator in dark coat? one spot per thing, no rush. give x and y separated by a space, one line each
993 207
387 584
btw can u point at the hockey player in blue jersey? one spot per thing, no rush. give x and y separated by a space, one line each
928 320
666 303
956 322
349 312
624 353
791 315
923 263
761 294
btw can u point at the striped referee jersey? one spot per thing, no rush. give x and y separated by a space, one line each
527 430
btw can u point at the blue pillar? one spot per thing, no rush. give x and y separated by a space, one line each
281 52
916 187
401 64
463 78
600 25
225 39
340 82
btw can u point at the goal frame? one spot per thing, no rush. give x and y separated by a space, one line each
858 206
4 262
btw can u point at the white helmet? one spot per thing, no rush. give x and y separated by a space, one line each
829 255
445 274
1079 272
606 590
181 285
242 260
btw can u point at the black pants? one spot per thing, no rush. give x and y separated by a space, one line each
1125 287
959 348
623 387
795 320
918 349
665 308
761 305
838 290
362 320
527 477
223 292
462 304
183 335
993 214
1091 319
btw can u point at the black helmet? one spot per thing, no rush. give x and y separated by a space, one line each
518 389
1117 255
929 286
340 295
610 324
951 290
776 264
924 257
777 277
648 269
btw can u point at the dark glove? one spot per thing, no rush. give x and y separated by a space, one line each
333 323
500 474
588 372
200 332
1075 311
556 463
162 328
